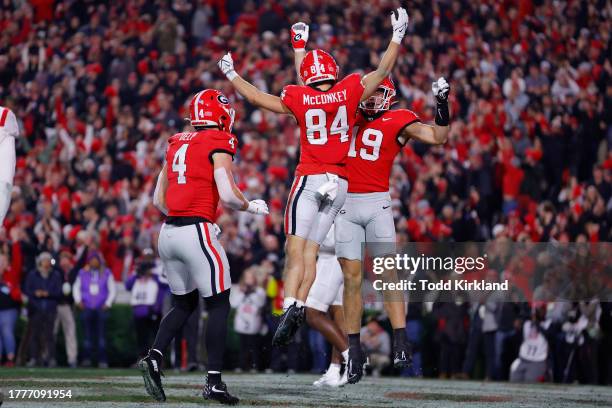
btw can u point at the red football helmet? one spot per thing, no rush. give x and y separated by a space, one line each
211 108
318 66
381 100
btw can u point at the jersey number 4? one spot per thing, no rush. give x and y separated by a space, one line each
178 164
316 126
371 140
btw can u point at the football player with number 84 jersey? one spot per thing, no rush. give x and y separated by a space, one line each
325 110
367 217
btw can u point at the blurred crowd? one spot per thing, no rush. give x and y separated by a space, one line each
98 87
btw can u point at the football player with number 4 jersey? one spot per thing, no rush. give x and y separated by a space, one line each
197 173
325 110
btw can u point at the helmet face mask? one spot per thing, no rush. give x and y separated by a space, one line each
380 101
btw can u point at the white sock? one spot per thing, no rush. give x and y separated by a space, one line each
345 355
299 303
334 367
288 302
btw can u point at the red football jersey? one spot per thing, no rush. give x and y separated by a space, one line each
326 120
373 150
192 191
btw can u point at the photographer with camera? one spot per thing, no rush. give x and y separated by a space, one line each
146 303
249 299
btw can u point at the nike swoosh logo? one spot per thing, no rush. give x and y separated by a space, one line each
386 119
214 389
342 211
385 207
439 112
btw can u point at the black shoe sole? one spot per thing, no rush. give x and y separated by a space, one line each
224 402
282 336
355 379
402 363
152 389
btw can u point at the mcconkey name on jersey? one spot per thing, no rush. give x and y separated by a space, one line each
326 120
192 191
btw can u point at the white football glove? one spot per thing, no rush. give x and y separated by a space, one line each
299 36
226 65
329 189
399 21
440 89
258 207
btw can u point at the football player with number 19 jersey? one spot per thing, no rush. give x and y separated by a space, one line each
325 110
367 216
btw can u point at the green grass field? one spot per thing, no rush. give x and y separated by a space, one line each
124 388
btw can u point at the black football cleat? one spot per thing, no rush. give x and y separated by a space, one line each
354 366
402 354
151 373
219 393
287 327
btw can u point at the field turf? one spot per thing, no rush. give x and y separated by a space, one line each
124 388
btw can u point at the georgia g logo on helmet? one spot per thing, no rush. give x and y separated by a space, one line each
210 108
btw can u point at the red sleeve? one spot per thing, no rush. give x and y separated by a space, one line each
355 88
288 97
400 119
223 142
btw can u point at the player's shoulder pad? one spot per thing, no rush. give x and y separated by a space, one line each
174 138
406 116
220 142
8 121
354 78
288 91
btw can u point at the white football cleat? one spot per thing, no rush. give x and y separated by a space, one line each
331 376
340 381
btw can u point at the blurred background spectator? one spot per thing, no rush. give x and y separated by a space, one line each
248 299
376 343
146 304
43 288
10 300
94 293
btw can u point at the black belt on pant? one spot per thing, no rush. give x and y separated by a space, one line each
181 221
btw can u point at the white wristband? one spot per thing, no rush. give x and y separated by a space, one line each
231 75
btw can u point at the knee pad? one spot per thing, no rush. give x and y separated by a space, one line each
188 302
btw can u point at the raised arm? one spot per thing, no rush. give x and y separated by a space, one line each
229 193
438 133
399 21
248 91
299 38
